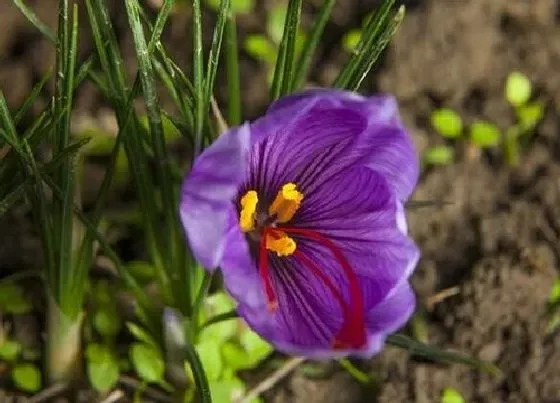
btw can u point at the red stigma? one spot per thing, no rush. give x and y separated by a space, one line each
353 332
264 273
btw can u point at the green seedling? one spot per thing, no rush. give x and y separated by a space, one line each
103 367
483 134
13 300
148 362
27 377
447 123
439 155
450 395
10 350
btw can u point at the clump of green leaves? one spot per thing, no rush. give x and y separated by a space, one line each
227 347
483 134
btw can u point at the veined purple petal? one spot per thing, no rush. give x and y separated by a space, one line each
208 192
355 164
388 147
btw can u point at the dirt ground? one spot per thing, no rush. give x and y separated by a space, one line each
499 240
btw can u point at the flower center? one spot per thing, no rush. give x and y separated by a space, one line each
272 236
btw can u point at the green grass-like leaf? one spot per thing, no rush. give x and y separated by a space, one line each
311 43
284 72
429 352
375 37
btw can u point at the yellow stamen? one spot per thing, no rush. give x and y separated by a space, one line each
248 211
280 243
286 204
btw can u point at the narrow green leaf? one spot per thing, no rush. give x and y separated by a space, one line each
201 380
284 72
232 71
34 20
370 46
429 352
32 97
198 75
355 372
311 43
214 55
511 145
376 48
147 80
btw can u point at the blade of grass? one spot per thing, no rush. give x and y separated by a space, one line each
435 354
233 77
34 20
32 97
8 201
384 39
198 76
169 235
311 43
214 55
369 37
111 62
284 71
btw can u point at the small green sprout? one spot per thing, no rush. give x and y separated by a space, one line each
27 377
10 350
447 123
351 40
13 300
102 367
450 395
518 89
439 155
148 362
485 134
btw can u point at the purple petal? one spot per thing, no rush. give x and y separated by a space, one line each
393 312
208 192
384 145
312 148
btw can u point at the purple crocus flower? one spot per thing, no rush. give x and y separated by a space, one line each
303 212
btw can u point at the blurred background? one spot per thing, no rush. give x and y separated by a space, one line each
494 251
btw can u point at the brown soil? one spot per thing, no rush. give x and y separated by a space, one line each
500 239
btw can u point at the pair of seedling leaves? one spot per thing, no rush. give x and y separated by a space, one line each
483 134
224 348
25 374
